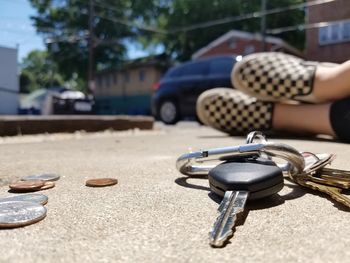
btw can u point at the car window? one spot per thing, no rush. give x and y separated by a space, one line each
35 96
195 69
173 72
222 66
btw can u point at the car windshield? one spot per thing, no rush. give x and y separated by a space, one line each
35 98
221 66
173 72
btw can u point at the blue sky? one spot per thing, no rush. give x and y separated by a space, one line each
16 29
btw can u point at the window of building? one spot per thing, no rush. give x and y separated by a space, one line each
107 80
323 35
232 42
99 82
249 49
142 75
346 31
126 77
335 33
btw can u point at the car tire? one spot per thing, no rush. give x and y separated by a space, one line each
169 112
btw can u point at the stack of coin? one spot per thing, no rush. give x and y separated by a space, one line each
22 210
42 177
35 183
25 209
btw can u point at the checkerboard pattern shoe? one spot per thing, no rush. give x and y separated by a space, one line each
234 112
274 76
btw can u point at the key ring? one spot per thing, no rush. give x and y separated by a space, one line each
192 163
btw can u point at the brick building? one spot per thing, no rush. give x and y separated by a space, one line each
331 42
243 43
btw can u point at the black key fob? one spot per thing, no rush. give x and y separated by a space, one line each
261 177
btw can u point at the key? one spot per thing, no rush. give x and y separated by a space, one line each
333 192
325 180
340 176
315 166
238 181
316 171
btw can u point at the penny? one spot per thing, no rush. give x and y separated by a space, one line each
35 198
47 185
100 182
22 186
42 177
20 213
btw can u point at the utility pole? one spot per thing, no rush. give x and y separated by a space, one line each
263 25
91 79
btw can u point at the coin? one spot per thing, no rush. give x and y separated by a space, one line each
35 198
22 186
20 213
100 182
42 177
48 185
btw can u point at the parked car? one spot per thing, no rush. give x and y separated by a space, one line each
177 92
57 100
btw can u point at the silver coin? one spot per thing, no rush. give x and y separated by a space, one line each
20 213
35 198
42 177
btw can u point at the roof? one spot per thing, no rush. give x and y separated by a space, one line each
160 61
245 35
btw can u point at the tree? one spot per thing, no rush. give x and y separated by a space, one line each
39 71
179 14
65 26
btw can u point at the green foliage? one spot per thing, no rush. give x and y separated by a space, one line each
65 24
39 71
183 13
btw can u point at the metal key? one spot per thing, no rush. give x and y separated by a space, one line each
315 167
333 192
239 181
325 180
336 177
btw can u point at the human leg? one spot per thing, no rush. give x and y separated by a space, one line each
332 83
236 113
304 118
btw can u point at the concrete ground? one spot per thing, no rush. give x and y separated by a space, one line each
156 214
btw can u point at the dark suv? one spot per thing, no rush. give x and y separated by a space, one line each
177 92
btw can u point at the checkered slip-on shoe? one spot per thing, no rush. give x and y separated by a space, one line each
273 76
234 112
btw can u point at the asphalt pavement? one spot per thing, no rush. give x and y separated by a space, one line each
156 214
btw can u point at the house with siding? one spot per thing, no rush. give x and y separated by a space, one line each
128 90
9 86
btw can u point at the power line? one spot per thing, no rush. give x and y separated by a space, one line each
200 25
280 30
75 38
130 24
212 22
249 16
